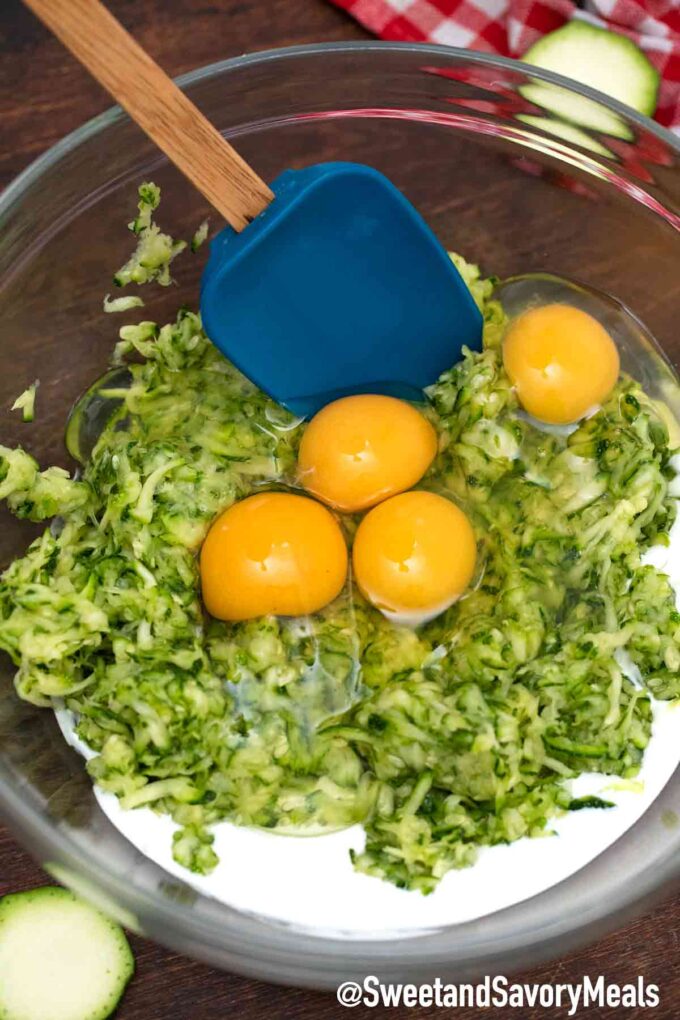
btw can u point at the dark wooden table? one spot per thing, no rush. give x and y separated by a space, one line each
45 95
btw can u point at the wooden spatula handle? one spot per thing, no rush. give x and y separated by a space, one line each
153 100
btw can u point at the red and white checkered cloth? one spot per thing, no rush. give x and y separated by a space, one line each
509 27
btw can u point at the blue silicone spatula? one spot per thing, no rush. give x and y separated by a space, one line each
325 284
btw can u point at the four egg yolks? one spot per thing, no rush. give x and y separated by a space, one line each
562 362
359 450
414 555
273 553
414 552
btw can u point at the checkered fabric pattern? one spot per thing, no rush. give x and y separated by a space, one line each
509 27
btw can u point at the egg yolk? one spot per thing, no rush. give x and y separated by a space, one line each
272 553
561 361
413 556
359 450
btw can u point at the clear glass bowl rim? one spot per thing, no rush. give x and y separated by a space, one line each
97 124
542 932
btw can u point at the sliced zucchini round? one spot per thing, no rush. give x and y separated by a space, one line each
567 132
577 110
604 60
60 959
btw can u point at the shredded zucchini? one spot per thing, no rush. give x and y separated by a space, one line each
200 236
122 304
461 734
155 250
25 402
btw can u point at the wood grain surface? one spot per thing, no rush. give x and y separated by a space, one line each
114 57
45 94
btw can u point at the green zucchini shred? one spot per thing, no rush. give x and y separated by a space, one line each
25 402
200 235
122 304
38 495
581 803
438 741
150 261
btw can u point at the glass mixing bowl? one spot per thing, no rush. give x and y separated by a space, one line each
447 127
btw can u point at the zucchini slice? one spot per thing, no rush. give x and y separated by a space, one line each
60 959
604 60
567 133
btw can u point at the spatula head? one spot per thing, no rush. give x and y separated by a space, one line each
338 287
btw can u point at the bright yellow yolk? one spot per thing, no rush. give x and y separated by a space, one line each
561 361
359 450
272 553
414 555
